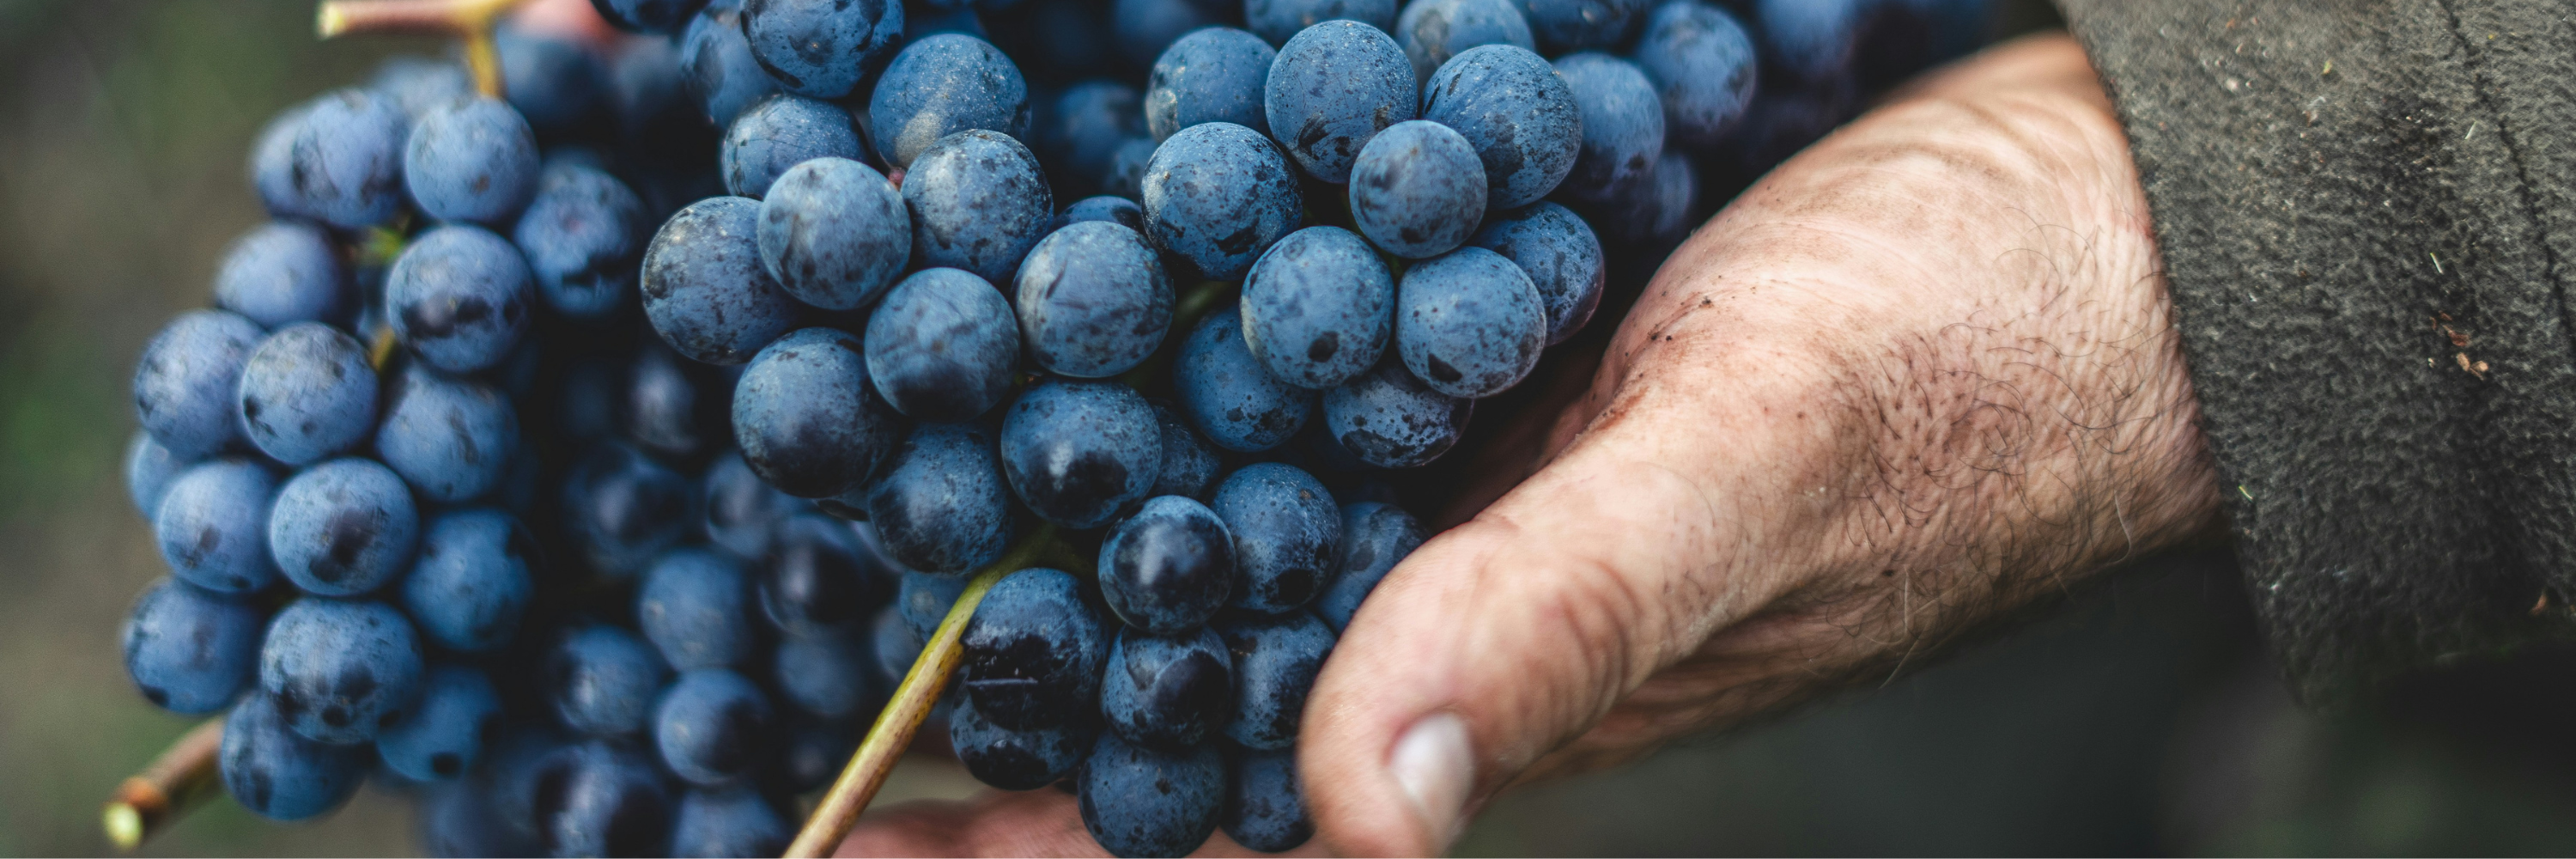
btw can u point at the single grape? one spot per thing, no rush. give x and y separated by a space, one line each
471 159
1657 210
187 381
712 726
191 650
1275 663
1079 452
942 505
601 799
341 670
1168 692
621 508
1227 393
1168 568
943 85
1390 419
1015 759
807 419
149 468
1286 532
1093 301
1433 31
735 821
819 579
828 676
943 346
443 736
307 393
925 601
459 297
1279 20
741 509
717 65
1144 29
1215 74
1417 190
1033 652
695 607
834 233
418 85
272 162
602 680
279 774
474 579
213 526
822 48
582 236
1106 207
1078 132
1140 802
1218 194
554 81
978 202
281 273
1561 256
449 437
1375 537
661 17
1564 26
673 406
704 288
780 132
1334 86
344 164
1469 324
1190 463
1263 809
343 528
1703 66
1318 307
1623 125
1510 104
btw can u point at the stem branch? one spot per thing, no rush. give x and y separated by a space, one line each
151 800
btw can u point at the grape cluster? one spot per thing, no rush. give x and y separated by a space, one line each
609 537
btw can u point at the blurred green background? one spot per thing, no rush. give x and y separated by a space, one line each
2137 718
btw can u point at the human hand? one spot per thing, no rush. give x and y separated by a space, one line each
1921 376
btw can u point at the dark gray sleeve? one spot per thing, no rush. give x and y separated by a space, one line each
2367 210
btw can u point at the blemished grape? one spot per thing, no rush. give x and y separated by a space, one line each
1432 31
806 418
341 670
942 505
1623 125
343 164
1561 256
1275 663
1390 419
191 650
1417 189
448 437
834 233
978 202
307 393
1703 66
603 679
1034 653
1015 759
711 726
213 526
1263 810
1190 465
185 383
735 821
1278 20
444 734
1218 194
1227 393
942 85
1168 692
459 297
1137 801
582 236
1375 537
1469 324
471 159
780 132
474 579
1286 535
704 287
1216 74
1335 85
717 65
695 606
943 346
820 48
1511 105
278 773
1318 306
281 273
343 528
1093 301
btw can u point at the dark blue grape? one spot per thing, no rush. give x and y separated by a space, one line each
1375 537
582 236
474 579
213 526
1079 452
672 406
307 393
190 650
459 297
834 233
471 159
1275 663
1814 40
344 164
1703 66
602 681
186 381
1263 809
806 418
1168 568
1190 464
978 202
443 736
1561 256
1168 692
1218 194
1227 393
821 48
942 505
1033 652
1656 210
1140 802
1334 86
272 163
820 579
925 601
600 799
661 17
149 468
621 508
942 85
553 81
449 437
1015 759
735 821
1078 132
1286 535
780 132
1390 419
281 273
1279 20
695 607
1093 301
1126 176
717 65
742 509
704 288
276 772
1562 26
419 84
1417 190
343 528
1144 29
1433 31
1318 308
1106 207
943 346
1510 104
1216 74
828 676
712 726
341 670
1468 324
1623 125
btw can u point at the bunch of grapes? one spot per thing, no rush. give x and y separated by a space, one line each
610 539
